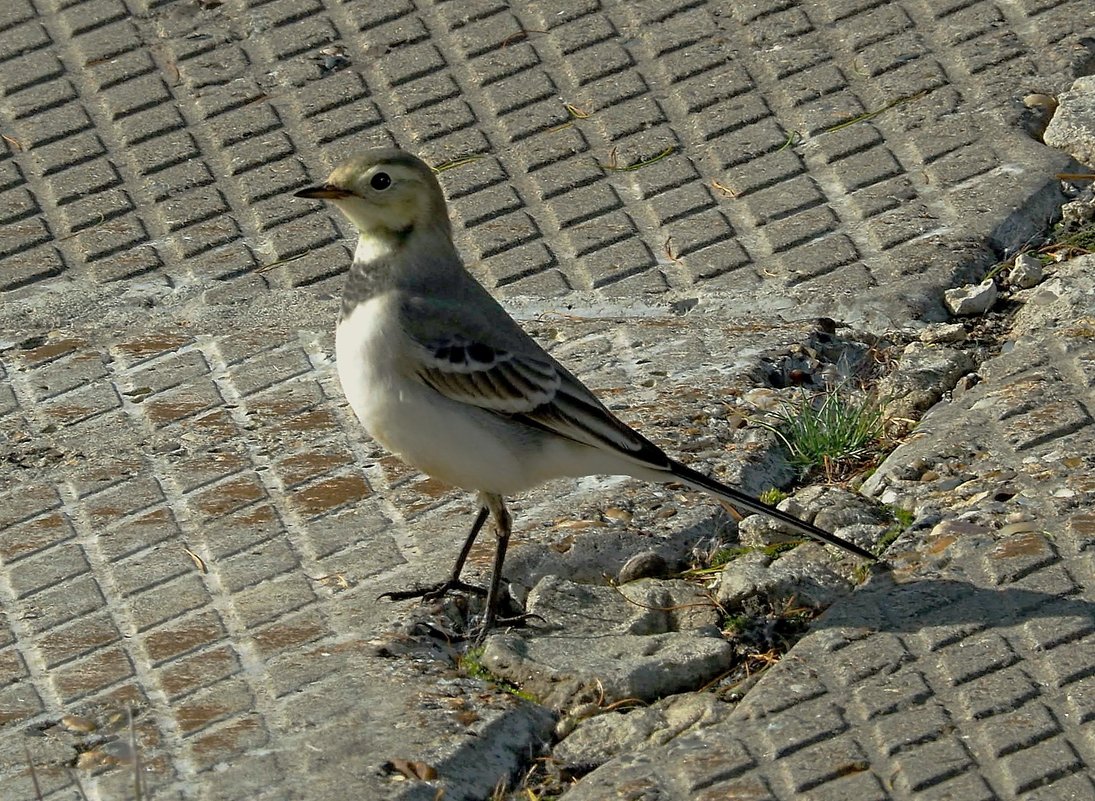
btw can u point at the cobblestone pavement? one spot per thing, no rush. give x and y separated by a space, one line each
192 525
967 672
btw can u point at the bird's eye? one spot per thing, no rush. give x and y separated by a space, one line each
380 181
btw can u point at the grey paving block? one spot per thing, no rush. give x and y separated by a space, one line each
191 522
954 682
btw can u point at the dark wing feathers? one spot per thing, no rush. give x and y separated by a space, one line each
532 389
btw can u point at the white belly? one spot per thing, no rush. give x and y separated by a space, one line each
450 441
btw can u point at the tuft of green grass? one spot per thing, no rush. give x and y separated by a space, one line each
724 556
903 517
772 496
1068 241
861 573
471 663
831 433
735 624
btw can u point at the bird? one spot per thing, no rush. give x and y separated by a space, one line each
439 374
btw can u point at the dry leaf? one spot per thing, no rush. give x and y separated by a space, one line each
412 769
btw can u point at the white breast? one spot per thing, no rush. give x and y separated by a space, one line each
366 350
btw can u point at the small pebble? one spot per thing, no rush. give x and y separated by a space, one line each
944 332
647 564
971 299
1025 272
618 515
78 724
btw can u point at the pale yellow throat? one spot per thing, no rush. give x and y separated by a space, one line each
371 247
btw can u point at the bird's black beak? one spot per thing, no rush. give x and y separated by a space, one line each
324 192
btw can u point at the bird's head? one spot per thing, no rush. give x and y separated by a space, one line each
387 194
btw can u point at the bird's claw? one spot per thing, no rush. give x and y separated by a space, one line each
434 592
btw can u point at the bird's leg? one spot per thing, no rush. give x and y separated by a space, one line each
503 524
437 591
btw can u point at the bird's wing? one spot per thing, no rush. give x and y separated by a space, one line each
520 381
491 378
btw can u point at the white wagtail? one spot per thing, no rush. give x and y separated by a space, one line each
440 374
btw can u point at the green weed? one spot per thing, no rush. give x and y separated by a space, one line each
834 433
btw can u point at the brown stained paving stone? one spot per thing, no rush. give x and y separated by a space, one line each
1083 527
314 422
96 672
47 570
396 470
229 496
330 494
270 558
179 636
270 600
1081 482
173 370
90 478
291 633
138 350
272 370
235 737
127 536
49 352
413 510
18 702
108 708
1022 545
34 535
27 502
151 567
298 668
205 468
217 425
126 499
301 467
81 404
281 400
154 605
60 603
85 635
189 673
66 374
11 664
215 703
226 536
259 515
432 488
425 494
175 405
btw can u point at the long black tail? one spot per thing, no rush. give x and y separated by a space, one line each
738 498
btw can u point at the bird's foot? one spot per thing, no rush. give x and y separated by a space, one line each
434 592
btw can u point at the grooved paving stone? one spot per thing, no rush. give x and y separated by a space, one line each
956 675
190 520
812 144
